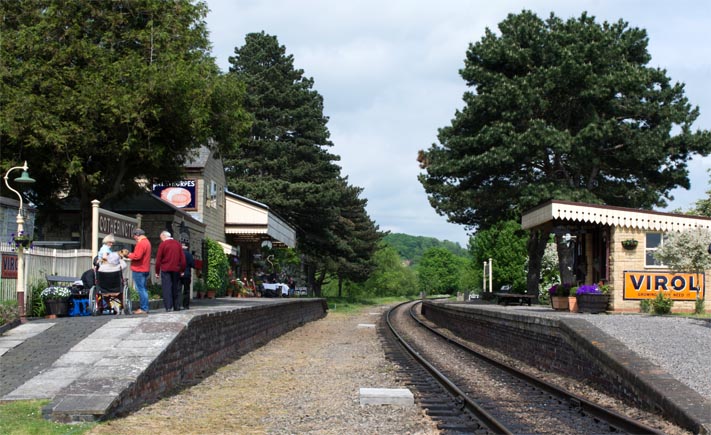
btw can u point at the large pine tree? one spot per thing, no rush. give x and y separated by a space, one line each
285 162
565 110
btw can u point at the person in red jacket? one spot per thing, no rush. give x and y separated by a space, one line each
141 267
170 263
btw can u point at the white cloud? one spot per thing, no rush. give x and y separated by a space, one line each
388 72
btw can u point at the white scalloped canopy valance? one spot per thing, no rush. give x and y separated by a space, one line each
613 216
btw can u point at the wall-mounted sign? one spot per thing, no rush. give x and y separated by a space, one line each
9 265
116 224
181 193
677 286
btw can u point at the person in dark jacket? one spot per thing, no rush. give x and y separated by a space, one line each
170 263
186 276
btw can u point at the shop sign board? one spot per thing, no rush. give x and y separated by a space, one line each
677 286
9 265
181 194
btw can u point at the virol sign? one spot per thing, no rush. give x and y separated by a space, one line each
678 286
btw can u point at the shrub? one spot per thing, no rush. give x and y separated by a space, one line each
662 304
645 306
699 306
8 311
217 266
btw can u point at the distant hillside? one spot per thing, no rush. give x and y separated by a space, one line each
412 247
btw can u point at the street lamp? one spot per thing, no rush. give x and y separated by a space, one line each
20 283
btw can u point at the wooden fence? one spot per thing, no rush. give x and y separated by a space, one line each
44 261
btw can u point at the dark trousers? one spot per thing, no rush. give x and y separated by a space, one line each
185 281
170 282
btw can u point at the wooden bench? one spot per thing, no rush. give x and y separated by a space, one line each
506 297
56 279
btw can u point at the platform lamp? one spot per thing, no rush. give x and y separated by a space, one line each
20 282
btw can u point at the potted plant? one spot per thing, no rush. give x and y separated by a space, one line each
573 300
21 240
56 299
629 244
591 298
559 296
199 288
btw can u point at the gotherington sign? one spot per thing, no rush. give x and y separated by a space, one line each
113 223
677 286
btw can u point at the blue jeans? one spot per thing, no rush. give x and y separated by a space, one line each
140 278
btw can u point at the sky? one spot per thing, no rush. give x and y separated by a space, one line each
388 71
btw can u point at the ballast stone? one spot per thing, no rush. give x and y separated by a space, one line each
386 396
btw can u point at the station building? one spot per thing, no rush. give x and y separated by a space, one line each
616 245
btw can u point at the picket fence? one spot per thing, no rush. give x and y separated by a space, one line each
40 262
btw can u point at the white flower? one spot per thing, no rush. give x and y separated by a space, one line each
55 293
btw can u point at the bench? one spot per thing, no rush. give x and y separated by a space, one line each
56 279
504 296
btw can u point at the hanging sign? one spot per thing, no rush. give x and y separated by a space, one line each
677 286
181 193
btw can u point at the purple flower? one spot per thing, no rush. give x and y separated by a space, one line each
560 289
588 289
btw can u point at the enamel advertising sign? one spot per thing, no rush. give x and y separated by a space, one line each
677 286
181 194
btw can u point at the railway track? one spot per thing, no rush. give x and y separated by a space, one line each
479 395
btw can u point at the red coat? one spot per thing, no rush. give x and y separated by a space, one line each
141 255
170 257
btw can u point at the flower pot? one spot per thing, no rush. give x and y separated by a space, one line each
211 294
573 304
593 303
559 303
58 307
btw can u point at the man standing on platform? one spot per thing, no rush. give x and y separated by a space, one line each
141 267
170 263
186 276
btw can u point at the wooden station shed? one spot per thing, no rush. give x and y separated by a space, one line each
616 245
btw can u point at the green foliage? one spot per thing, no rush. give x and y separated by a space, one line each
9 311
99 95
550 273
686 251
645 306
662 304
438 271
699 306
390 277
217 267
411 248
564 110
505 244
199 285
24 417
702 207
37 308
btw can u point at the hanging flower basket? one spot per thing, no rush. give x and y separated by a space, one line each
630 244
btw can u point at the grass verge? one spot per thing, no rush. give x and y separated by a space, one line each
24 417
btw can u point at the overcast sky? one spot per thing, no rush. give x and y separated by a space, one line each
388 72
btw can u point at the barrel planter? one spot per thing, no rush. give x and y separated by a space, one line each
58 307
592 303
559 303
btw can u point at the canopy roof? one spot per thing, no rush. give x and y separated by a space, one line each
249 221
608 215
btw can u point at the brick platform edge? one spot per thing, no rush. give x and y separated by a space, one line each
575 348
203 344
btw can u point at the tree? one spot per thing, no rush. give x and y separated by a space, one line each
285 162
97 95
505 244
702 207
390 277
566 110
439 270
686 251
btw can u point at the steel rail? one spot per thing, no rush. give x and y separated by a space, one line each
484 417
614 419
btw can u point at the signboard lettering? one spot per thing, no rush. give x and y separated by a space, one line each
677 286
110 224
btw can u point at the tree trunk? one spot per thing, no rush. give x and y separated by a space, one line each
565 260
340 286
536 246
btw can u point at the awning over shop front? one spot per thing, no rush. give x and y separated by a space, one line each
228 249
564 211
249 221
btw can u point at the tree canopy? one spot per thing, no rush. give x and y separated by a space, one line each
96 95
566 110
285 162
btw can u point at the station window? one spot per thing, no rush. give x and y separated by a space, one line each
653 242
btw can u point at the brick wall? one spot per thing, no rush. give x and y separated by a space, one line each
210 341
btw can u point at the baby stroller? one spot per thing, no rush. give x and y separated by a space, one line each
109 294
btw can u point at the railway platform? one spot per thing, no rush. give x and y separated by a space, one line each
656 362
94 367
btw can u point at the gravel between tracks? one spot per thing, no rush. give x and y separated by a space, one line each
304 382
